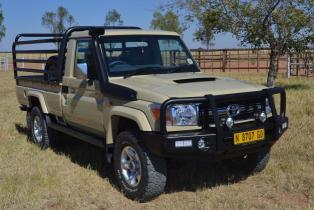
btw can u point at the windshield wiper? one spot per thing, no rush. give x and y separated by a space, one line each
141 70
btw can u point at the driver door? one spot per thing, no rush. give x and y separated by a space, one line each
83 105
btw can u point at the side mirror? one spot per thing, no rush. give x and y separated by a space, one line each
83 68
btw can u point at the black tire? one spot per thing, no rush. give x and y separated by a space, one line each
28 122
46 133
153 169
252 163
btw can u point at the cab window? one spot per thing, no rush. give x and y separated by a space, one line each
84 62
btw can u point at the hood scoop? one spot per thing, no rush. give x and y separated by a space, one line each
191 80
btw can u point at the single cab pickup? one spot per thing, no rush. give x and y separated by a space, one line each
141 96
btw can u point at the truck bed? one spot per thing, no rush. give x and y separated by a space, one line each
27 86
37 82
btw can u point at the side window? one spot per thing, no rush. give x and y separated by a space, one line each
114 51
84 62
172 53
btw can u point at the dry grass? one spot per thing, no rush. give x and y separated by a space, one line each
72 176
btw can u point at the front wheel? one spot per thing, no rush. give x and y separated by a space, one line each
140 174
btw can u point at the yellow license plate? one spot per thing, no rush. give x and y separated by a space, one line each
249 136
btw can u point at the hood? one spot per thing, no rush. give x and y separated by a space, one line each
160 87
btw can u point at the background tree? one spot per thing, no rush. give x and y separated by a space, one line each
2 28
208 26
281 25
168 21
59 21
113 18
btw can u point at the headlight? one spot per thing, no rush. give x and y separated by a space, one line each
182 115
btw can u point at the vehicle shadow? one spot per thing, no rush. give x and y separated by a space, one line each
194 175
79 152
85 155
182 176
21 129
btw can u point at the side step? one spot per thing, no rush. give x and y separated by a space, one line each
99 142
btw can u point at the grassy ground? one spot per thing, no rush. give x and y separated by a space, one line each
72 176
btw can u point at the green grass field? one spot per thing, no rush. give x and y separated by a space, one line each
73 176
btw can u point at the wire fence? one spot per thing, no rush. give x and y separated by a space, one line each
253 60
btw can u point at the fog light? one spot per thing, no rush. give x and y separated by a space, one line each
229 122
202 145
262 117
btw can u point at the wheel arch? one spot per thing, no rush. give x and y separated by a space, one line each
123 118
37 99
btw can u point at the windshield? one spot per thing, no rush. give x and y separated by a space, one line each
130 55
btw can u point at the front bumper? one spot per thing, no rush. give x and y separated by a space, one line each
216 148
217 143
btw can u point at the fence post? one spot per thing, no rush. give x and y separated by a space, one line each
224 60
248 60
238 60
289 65
278 59
257 60
221 61
298 61
229 61
212 63
199 59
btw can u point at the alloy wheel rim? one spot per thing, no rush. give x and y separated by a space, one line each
37 129
131 166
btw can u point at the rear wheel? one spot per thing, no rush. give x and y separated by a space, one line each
140 174
40 133
254 163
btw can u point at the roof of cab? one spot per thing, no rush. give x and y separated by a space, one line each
122 32
139 32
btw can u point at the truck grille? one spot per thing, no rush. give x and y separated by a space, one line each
247 111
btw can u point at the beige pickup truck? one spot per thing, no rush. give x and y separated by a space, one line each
140 96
